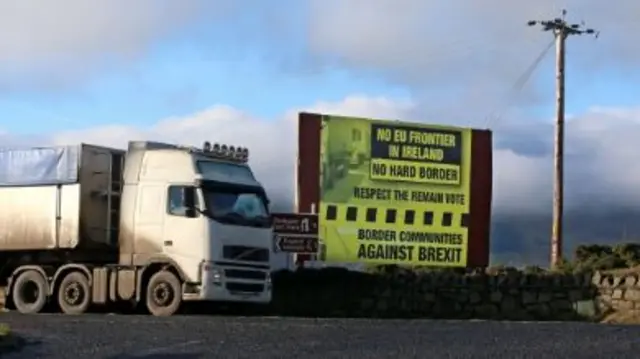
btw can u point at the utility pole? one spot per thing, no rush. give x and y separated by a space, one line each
561 30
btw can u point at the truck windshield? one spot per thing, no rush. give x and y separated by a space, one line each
238 206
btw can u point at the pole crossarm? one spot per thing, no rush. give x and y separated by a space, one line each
561 26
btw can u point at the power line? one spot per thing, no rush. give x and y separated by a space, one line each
518 86
561 30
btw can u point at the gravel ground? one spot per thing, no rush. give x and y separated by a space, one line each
129 336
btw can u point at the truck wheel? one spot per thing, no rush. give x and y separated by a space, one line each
29 292
164 294
74 293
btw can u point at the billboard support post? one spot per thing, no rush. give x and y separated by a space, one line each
314 257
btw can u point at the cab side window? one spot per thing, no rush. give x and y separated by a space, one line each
175 201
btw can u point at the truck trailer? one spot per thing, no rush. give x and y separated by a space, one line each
156 225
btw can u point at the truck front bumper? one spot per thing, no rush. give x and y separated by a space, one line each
231 284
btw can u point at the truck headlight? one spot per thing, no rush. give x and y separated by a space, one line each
216 275
213 274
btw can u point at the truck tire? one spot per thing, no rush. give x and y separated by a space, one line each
29 292
74 293
164 294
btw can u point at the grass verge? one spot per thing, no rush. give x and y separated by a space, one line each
4 330
8 341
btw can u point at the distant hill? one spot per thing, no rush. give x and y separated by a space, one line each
525 239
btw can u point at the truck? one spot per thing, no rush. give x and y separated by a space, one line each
152 226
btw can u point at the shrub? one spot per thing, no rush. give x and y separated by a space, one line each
589 258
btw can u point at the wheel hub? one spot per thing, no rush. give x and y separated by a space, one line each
73 294
162 294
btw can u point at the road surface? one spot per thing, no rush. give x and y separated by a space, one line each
130 336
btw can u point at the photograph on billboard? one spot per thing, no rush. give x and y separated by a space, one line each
394 192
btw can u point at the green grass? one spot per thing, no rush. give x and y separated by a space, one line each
8 342
4 330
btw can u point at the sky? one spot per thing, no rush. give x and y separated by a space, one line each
106 72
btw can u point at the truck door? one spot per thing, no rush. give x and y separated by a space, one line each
183 238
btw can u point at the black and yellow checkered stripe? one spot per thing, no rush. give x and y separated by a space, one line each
402 216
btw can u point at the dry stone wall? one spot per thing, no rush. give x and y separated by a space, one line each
510 295
617 292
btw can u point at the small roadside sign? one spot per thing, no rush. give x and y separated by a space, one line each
295 232
295 244
295 223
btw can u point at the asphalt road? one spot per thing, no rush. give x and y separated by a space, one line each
129 336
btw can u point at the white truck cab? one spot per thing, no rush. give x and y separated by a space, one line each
157 224
203 210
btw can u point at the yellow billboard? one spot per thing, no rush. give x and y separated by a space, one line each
394 192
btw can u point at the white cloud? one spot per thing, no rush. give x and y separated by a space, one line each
458 48
363 106
440 40
600 169
600 166
271 143
468 52
59 41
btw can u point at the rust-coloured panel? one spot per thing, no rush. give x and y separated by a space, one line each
480 201
308 177
308 184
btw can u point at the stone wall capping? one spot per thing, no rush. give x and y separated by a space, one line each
500 294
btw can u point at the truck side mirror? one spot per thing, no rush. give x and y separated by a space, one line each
190 202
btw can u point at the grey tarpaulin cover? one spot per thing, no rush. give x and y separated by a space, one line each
39 166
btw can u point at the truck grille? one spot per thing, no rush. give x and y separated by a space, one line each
245 274
244 253
245 287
